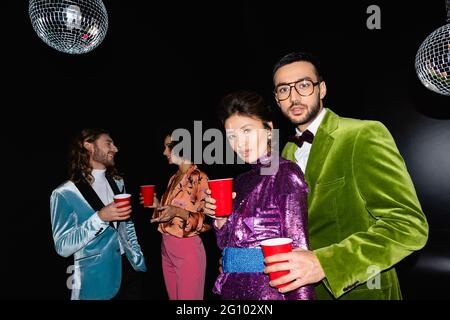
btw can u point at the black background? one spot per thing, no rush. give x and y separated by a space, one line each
162 62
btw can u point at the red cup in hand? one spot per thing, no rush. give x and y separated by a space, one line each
274 246
124 199
221 191
148 193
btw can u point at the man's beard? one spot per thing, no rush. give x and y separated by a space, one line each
102 158
311 114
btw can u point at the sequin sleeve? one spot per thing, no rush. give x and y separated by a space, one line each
293 203
222 233
291 190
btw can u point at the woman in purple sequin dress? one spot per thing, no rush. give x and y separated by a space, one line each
266 206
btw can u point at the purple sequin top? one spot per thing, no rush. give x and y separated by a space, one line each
266 206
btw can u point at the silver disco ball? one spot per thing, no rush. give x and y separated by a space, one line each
70 26
433 61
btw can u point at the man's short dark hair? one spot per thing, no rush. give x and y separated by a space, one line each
297 57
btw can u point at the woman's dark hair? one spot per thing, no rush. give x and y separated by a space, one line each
246 103
297 57
79 165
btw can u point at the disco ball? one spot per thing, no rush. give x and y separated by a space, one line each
433 61
70 26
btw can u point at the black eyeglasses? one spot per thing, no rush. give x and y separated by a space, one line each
304 87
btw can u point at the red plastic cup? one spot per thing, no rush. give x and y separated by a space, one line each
124 198
221 191
148 192
274 246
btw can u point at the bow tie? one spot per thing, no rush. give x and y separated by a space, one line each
298 140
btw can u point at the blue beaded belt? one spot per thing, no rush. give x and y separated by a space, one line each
242 260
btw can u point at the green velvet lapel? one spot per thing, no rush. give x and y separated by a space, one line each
320 147
289 151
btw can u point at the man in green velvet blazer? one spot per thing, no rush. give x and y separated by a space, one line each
364 214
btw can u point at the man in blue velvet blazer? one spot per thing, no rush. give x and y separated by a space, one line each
86 223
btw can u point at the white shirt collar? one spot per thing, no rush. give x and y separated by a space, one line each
314 126
98 173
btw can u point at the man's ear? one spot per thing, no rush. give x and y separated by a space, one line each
270 124
278 101
89 146
323 90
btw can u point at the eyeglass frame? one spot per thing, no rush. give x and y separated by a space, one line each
293 84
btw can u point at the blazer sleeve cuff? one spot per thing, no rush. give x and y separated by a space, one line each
334 279
98 224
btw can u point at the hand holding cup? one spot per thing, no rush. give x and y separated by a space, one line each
154 205
118 210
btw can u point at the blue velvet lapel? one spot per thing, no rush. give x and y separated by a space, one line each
91 196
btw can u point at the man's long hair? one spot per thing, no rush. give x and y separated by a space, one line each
79 165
